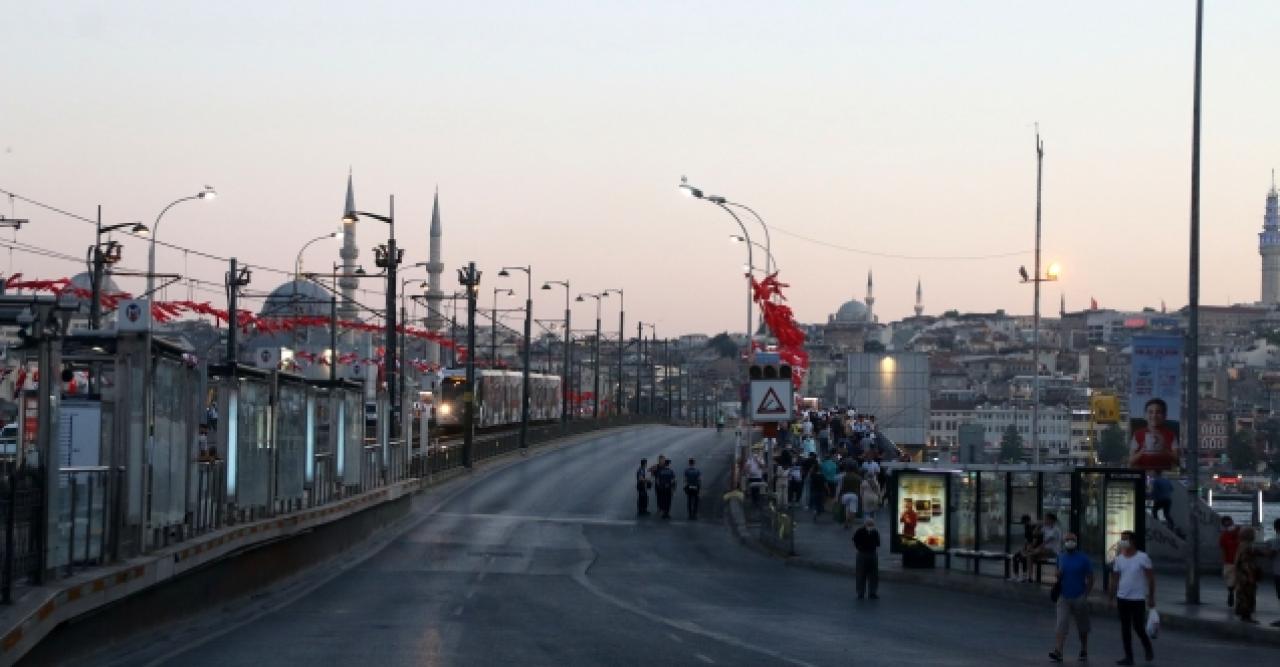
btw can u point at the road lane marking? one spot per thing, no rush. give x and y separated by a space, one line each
542 519
704 658
685 626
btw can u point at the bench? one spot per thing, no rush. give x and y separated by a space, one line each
978 556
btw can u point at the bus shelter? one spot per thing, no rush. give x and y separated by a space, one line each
972 512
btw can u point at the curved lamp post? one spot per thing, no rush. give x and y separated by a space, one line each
297 263
564 374
595 364
528 331
721 202
622 339
207 193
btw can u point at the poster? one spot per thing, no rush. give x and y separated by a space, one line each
1155 402
1121 505
922 510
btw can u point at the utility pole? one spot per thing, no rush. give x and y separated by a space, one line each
1192 418
639 362
666 373
470 279
1035 336
333 339
236 278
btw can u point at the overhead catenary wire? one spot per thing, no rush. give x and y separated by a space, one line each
890 255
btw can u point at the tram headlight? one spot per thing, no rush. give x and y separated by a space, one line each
445 409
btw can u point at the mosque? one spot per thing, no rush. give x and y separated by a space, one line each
315 297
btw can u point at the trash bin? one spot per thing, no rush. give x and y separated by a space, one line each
917 555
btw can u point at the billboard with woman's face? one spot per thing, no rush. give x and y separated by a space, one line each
1155 402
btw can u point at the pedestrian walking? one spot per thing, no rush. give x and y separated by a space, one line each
1247 575
692 487
664 482
1229 543
848 497
1133 591
795 483
870 491
1075 582
866 542
1273 552
642 488
817 491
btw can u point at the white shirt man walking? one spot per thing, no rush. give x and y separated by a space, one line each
1133 590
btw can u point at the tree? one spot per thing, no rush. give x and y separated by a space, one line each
1242 451
1011 445
1112 448
723 345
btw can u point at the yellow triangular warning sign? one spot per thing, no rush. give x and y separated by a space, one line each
771 404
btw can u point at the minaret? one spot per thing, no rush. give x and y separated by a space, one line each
348 284
919 298
434 296
1062 304
1269 247
871 300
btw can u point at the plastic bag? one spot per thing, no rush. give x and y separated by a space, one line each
1153 624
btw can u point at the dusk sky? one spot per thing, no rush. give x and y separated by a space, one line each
898 134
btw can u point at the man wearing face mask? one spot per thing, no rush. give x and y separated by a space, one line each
1133 590
1075 575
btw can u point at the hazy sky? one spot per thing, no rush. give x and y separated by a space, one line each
558 131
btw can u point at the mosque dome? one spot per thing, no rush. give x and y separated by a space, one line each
297 298
851 311
82 281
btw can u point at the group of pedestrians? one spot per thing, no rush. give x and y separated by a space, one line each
1241 573
662 479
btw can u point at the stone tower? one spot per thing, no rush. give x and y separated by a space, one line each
919 298
1269 247
435 267
348 284
871 299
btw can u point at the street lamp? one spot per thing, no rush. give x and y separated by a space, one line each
297 263
528 331
100 257
1051 275
653 373
595 396
721 202
207 193
564 379
387 257
769 261
622 339
493 328
696 193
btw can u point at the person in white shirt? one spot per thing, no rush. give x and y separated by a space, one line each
1133 590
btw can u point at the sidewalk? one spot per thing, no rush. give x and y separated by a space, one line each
827 547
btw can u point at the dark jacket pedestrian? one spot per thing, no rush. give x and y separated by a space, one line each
866 542
642 488
692 489
664 485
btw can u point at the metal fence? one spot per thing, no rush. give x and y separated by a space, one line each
21 508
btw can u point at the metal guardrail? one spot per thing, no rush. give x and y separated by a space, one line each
21 508
90 491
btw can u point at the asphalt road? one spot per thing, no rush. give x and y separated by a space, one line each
544 563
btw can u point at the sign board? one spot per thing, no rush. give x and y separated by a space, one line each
133 315
771 400
267 357
79 433
1155 402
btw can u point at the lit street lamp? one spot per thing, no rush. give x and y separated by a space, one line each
721 202
770 265
207 193
387 257
297 263
1050 276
